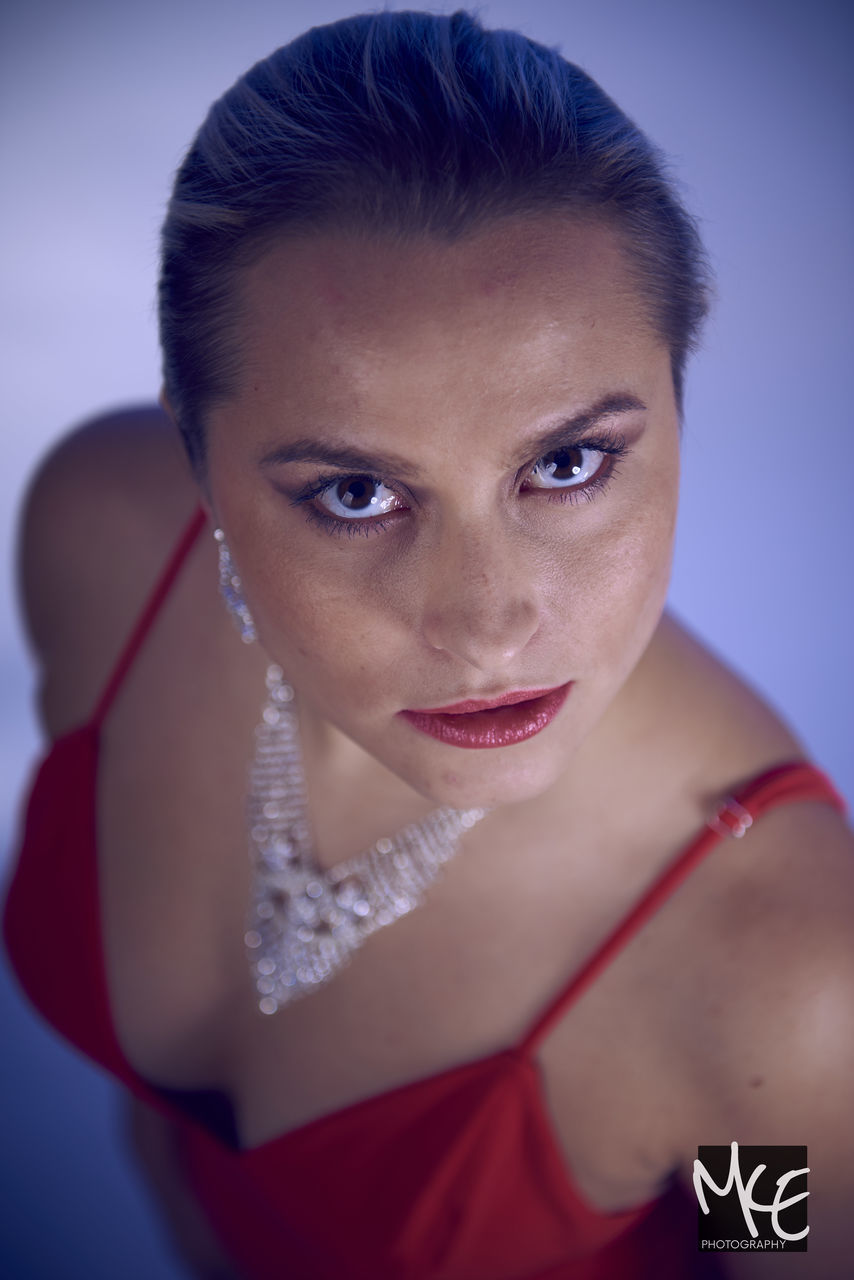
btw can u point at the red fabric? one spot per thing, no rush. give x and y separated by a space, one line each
454 1177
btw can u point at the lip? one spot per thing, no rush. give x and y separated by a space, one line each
483 704
494 722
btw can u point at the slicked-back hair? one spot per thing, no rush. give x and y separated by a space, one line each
405 125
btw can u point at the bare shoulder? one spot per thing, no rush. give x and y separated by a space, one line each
98 520
778 922
772 989
760 1017
771 913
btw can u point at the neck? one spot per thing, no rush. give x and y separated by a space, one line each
369 800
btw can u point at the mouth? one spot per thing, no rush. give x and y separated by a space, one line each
493 722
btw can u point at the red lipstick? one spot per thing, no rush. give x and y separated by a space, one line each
492 722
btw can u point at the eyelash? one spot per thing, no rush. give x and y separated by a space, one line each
614 448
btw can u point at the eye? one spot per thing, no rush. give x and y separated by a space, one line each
357 498
569 467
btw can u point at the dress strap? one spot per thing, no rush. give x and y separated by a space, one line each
149 613
784 784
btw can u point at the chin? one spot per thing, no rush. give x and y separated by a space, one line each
499 777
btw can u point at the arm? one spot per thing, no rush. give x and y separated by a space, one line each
100 516
151 1139
782 1070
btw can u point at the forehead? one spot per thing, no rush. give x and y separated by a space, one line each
339 316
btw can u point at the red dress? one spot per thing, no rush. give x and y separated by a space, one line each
454 1177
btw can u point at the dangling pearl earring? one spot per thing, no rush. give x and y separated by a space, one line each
229 585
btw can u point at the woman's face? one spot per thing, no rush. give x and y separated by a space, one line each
450 473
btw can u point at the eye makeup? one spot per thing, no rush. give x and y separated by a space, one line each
573 472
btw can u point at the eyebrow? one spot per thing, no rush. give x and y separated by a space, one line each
345 456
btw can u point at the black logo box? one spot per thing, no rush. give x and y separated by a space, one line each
725 1219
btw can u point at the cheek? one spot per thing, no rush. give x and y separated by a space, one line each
646 563
612 583
324 627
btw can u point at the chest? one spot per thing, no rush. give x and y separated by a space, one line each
464 976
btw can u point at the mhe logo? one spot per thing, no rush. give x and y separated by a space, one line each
753 1198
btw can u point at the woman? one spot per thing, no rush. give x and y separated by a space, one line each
426 303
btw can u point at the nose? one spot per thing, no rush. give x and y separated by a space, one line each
481 602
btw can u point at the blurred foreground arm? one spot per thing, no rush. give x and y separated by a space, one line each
152 1143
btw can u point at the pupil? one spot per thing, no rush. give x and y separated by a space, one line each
356 494
564 463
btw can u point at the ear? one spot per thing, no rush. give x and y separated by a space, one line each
165 405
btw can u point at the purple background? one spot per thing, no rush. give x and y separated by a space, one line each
752 100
